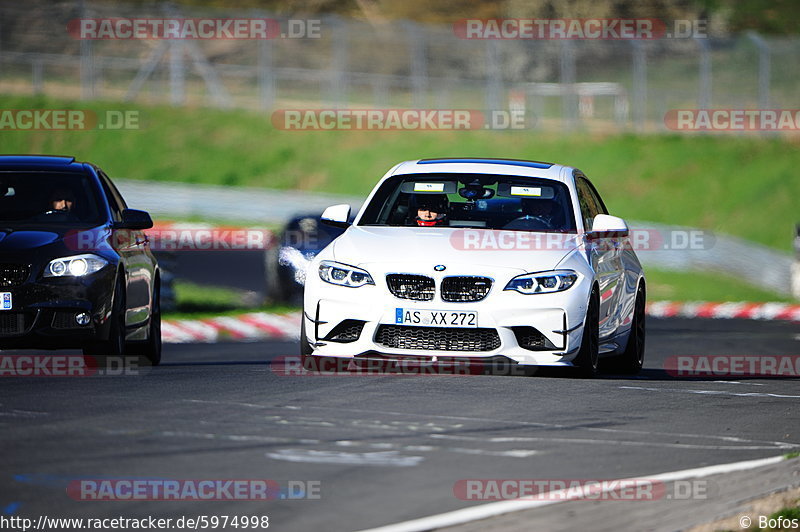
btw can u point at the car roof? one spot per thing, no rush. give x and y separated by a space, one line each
61 163
475 165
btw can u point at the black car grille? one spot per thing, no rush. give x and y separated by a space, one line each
12 323
406 286
458 289
437 338
13 274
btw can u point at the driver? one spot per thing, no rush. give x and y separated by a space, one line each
431 210
540 210
61 200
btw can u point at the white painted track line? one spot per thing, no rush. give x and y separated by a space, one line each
484 511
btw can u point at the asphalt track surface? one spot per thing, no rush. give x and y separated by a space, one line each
387 448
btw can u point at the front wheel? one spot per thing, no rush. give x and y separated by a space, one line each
631 361
306 357
150 349
587 359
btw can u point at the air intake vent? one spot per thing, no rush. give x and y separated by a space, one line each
437 338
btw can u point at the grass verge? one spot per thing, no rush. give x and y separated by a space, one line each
696 286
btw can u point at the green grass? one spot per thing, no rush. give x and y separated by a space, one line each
742 185
194 301
191 298
694 286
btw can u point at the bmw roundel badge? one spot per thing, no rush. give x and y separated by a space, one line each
440 267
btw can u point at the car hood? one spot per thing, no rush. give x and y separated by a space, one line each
69 238
459 250
26 240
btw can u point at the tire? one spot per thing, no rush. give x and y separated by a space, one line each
587 360
630 362
272 280
151 348
115 345
306 351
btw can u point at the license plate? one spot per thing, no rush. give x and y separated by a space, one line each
6 300
436 318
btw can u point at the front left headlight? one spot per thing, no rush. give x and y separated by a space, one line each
343 274
543 282
75 266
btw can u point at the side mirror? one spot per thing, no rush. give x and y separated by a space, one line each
606 226
336 215
134 219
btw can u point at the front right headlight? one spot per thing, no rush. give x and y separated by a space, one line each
543 282
343 274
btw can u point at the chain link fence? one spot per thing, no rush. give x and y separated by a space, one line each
560 84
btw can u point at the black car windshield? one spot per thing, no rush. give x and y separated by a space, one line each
48 198
474 200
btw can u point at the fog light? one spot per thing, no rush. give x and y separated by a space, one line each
82 318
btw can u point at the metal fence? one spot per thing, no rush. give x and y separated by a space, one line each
593 85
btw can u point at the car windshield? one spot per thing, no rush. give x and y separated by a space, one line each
475 200
48 198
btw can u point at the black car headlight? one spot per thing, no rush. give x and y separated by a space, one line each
343 274
543 282
75 266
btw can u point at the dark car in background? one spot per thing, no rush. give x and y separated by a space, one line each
285 262
76 270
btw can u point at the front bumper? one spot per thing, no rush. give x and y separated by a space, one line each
538 329
43 312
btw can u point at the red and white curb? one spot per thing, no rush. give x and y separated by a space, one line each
263 325
700 309
243 327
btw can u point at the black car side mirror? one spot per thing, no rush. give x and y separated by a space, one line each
134 219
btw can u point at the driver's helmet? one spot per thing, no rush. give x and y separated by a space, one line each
437 205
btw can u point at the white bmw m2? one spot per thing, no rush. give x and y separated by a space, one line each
483 260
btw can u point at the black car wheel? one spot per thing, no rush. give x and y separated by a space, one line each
587 359
150 349
630 362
